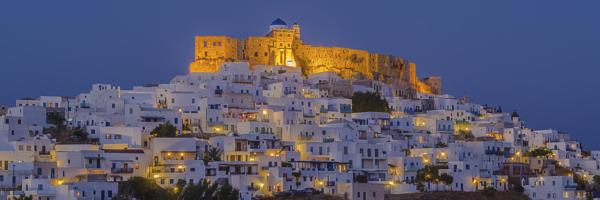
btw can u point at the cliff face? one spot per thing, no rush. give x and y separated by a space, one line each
283 46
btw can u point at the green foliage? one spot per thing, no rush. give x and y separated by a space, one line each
165 130
23 197
580 181
464 135
429 174
147 189
542 151
586 154
446 179
286 164
186 127
213 154
596 179
142 188
361 179
516 185
205 190
369 102
489 191
440 145
56 119
80 135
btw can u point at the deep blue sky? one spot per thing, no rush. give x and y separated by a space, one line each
541 58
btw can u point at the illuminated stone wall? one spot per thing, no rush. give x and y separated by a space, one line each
283 46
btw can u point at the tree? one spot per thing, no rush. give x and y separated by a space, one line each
369 102
441 145
297 175
56 119
80 135
165 130
143 189
227 192
596 179
539 152
446 179
213 154
23 197
362 178
429 174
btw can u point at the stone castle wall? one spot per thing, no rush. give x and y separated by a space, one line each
284 47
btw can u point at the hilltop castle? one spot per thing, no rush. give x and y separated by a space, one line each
284 46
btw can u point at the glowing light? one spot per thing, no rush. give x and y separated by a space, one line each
251 159
181 154
320 183
264 112
169 154
180 166
261 185
156 176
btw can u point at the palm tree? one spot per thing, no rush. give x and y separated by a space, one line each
213 154
23 197
447 179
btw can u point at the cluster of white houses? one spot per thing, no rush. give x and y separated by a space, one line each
277 131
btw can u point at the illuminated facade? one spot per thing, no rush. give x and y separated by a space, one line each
284 46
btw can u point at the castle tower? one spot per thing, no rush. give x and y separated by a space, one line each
412 74
278 24
296 28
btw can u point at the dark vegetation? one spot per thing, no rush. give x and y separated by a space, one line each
455 195
369 102
64 134
147 189
164 130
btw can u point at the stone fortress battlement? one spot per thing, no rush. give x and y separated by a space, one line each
283 46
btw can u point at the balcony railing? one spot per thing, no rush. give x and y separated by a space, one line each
121 170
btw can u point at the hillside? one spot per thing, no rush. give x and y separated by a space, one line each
459 196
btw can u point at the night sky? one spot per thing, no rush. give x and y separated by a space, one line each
541 58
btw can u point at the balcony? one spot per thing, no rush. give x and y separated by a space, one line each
121 170
328 140
330 183
305 137
242 81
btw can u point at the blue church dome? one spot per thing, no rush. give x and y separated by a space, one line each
278 21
